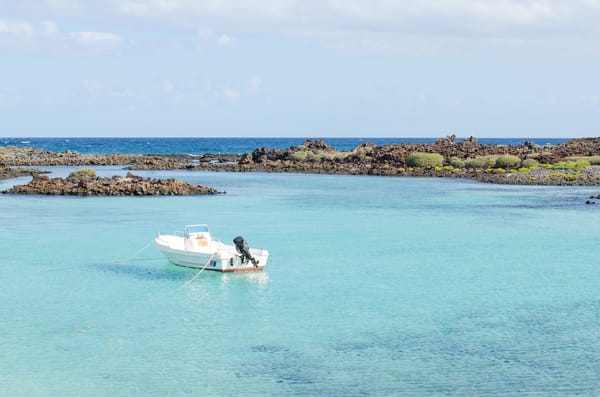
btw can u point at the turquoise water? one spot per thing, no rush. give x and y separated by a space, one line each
376 286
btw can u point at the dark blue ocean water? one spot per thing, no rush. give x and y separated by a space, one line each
199 146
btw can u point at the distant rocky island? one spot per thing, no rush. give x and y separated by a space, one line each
84 182
575 162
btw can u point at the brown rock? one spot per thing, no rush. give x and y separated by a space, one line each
131 185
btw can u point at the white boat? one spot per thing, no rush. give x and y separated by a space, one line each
196 248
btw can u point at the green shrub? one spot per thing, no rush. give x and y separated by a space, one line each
593 160
570 165
88 172
581 164
321 155
508 161
481 162
362 152
300 155
529 163
457 162
568 177
423 160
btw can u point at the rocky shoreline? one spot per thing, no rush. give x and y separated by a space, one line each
529 164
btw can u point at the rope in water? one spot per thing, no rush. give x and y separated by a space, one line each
136 254
197 274
133 258
132 305
130 259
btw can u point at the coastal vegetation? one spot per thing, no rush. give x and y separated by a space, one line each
530 164
570 165
424 160
486 162
593 160
508 161
83 172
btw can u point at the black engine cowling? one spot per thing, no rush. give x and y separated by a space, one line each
244 250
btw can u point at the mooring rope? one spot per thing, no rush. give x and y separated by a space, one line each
136 254
197 274
119 261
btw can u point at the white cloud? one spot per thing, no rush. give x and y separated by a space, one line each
347 15
387 25
15 30
46 35
424 27
224 40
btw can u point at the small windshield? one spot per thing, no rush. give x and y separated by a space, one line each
193 229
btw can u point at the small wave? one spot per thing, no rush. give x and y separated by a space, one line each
25 141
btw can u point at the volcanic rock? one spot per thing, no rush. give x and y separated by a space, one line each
131 185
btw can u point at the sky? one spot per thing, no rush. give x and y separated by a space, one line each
293 68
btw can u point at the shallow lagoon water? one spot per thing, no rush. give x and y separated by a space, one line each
375 286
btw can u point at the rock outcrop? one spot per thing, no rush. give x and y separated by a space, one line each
15 172
131 185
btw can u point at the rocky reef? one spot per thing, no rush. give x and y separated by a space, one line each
87 184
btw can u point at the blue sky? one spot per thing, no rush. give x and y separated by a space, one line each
332 68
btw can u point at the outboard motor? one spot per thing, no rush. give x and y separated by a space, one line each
242 248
